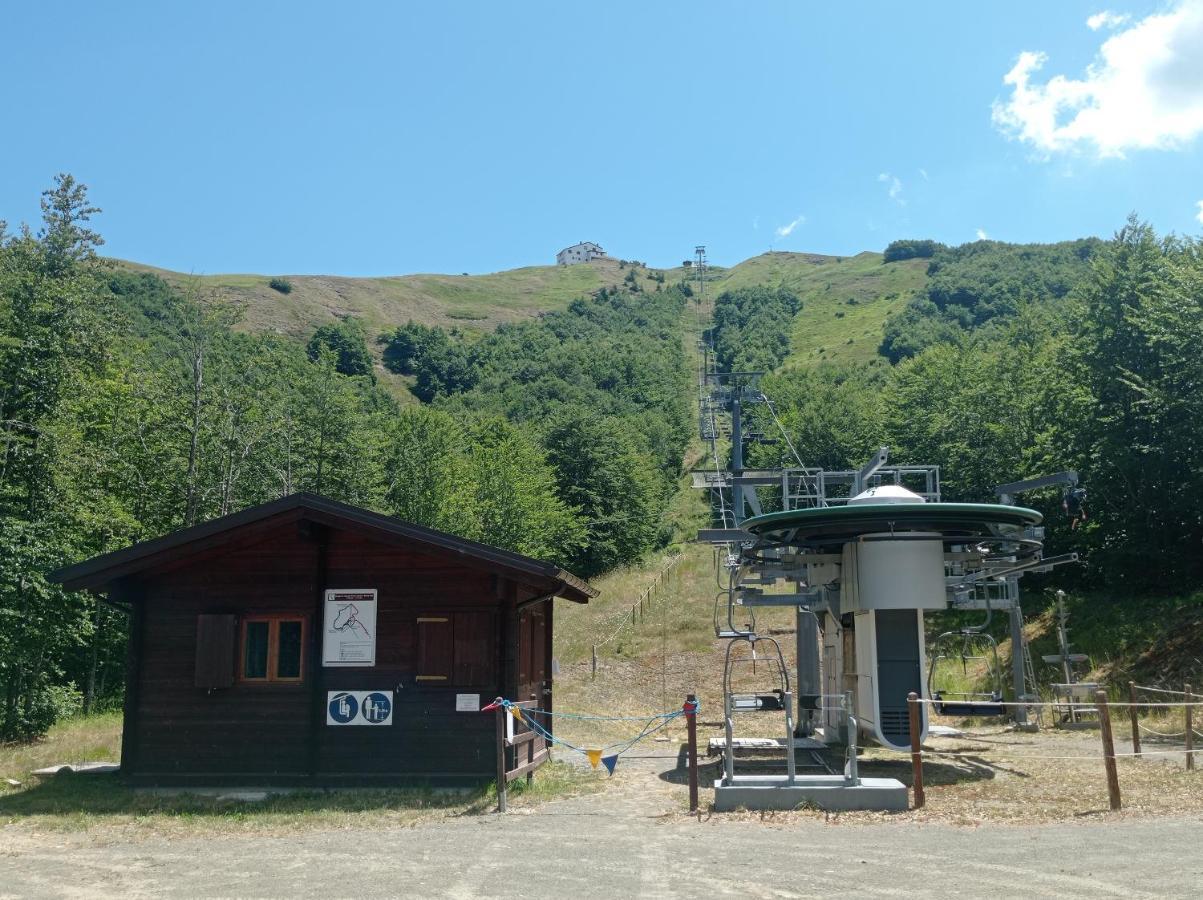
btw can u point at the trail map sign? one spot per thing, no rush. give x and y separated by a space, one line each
359 707
349 628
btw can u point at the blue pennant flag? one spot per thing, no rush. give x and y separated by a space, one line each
610 762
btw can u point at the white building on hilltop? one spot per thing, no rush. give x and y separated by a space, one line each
580 253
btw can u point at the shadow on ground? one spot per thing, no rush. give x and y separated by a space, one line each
68 794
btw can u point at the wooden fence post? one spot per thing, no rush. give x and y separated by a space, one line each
1132 712
594 660
502 712
1190 731
1100 702
691 728
912 702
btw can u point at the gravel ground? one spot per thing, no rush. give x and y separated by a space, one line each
631 840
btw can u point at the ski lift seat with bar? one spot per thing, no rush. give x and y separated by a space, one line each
771 702
967 703
968 707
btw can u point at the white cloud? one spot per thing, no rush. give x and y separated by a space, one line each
756 223
786 230
923 172
981 235
1199 214
894 187
1143 91
1106 19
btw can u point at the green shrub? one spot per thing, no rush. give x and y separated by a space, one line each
283 285
41 709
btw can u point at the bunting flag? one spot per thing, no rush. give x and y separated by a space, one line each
593 755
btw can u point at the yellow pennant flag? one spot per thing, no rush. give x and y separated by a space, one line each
516 713
594 757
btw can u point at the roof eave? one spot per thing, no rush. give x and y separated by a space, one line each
98 572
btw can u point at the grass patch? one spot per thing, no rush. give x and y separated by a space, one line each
84 739
845 300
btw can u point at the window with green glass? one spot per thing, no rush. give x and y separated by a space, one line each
273 648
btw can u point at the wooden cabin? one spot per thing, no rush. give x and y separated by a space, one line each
305 641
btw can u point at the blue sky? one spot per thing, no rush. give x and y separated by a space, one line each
387 138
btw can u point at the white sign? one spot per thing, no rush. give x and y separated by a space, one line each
349 628
359 707
467 702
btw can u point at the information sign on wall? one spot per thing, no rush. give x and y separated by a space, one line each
349 628
359 707
467 702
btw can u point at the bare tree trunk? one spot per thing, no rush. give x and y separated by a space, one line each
198 383
94 657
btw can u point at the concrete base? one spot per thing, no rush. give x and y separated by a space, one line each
87 768
822 791
719 744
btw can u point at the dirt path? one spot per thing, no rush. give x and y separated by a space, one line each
630 840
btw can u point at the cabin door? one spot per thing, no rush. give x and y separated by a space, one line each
534 664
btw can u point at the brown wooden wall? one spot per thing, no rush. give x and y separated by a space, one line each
277 733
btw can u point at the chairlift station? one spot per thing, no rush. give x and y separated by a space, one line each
860 556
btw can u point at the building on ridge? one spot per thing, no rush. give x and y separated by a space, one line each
580 253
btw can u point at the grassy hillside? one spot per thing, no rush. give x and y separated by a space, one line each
470 301
845 300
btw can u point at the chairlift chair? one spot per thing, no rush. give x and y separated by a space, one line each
965 703
772 665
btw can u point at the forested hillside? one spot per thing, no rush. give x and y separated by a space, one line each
1015 361
131 406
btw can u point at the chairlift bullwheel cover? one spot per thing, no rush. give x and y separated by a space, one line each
951 521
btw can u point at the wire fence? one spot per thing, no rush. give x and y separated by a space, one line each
635 614
1109 756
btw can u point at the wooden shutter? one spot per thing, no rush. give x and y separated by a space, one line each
435 650
474 642
215 651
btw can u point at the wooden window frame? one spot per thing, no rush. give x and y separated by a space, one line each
273 621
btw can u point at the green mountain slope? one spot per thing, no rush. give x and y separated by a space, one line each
845 300
473 301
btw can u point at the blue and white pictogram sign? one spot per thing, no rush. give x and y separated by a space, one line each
342 708
359 708
376 708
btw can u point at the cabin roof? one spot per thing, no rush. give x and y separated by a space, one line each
101 571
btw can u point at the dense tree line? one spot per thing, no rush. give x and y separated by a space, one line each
604 387
751 330
983 283
1107 382
910 249
129 408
